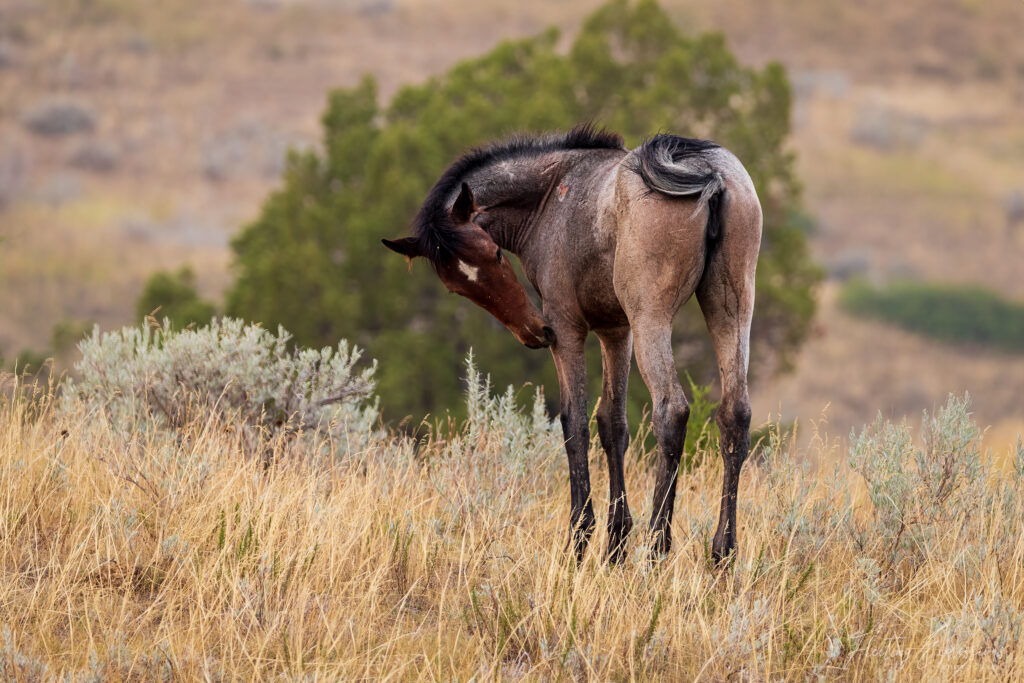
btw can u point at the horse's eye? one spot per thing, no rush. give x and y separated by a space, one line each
499 254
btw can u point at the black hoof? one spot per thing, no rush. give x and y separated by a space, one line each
722 554
617 535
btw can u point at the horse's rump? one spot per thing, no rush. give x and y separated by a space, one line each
681 167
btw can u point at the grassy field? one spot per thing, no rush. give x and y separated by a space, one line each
137 552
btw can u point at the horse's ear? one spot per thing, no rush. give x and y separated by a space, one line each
409 247
464 206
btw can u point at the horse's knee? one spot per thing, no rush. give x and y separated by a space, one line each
734 425
670 418
614 431
604 424
738 415
574 426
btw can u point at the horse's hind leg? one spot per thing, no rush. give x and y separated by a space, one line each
658 263
726 297
612 427
671 413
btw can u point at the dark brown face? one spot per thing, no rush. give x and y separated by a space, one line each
482 273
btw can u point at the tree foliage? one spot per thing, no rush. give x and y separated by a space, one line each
312 261
174 295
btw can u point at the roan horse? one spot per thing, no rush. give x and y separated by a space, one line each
614 241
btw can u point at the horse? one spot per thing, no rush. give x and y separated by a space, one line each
614 241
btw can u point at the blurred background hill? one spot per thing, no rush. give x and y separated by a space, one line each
137 137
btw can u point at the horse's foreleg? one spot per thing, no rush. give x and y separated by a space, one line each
726 296
572 381
612 427
671 413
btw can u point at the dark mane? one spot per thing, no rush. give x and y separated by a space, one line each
432 226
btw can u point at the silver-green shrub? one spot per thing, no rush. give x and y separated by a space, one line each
987 629
504 456
807 510
918 492
524 437
158 376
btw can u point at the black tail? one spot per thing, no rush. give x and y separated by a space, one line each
679 167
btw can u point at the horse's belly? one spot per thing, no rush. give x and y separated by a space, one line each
599 305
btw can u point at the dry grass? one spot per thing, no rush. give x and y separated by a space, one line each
149 555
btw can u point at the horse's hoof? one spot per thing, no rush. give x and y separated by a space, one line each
721 556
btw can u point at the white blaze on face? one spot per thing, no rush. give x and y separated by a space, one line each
468 270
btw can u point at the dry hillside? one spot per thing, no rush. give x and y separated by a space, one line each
135 136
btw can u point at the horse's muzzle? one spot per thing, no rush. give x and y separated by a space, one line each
548 339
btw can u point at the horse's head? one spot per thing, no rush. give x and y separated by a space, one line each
479 271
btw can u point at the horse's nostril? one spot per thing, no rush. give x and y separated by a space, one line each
549 335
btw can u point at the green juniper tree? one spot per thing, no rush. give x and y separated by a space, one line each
174 296
312 261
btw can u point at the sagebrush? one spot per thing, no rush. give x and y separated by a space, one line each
246 375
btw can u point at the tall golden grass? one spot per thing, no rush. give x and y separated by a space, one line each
147 554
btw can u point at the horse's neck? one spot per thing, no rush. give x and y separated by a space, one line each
518 207
566 197
542 206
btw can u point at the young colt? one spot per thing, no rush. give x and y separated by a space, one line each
614 241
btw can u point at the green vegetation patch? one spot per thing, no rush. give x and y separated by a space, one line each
174 296
958 314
